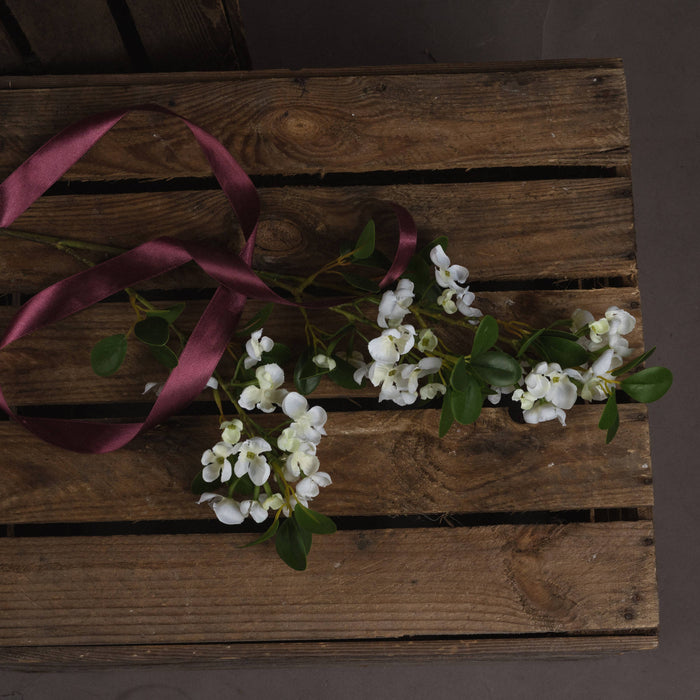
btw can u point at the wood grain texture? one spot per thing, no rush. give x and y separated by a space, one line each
341 124
289 654
500 230
180 35
359 585
71 36
52 365
496 465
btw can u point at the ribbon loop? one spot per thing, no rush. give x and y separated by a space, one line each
234 273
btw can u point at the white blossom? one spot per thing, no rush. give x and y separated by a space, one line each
226 510
216 462
446 274
307 422
427 340
251 461
231 431
598 380
324 362
430 391
255 509
394 305
267 393
255 347
446 301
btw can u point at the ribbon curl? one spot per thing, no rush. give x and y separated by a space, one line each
237 280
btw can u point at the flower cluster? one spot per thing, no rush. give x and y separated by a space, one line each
280 475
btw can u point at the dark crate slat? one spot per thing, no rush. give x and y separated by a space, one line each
498 580
182 35
494 466
52 365
286 654
65 37
301 227
349 124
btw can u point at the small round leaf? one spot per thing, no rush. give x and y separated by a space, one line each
108 354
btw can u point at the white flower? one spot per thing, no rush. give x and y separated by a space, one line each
357 361
308 422
226 509
447 275
250 460
598 379
255 347
430 391
497 391
621 322
391 344
216 462
426 366
302 461
274 502
308 487
256 509
427 340
267 393
445 300
542 412
465 299
231 431
394 305
324 362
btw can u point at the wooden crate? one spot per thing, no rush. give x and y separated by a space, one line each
500 539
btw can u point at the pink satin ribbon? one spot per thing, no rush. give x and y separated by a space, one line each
234 274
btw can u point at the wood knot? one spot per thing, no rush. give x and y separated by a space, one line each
279 236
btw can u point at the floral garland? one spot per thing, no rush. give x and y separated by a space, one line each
260 473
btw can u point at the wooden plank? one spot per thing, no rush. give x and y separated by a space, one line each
496 465
469 581
181 35
288 654
86 80
10 58
280 126
52 364
300 227
68 38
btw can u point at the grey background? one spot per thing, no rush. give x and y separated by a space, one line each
658 42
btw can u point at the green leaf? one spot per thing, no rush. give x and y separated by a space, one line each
256 322
291 544
269 533
359 282
529 340
376 260
497 368
279 354
563 351
459 379
485 337
446 415
466 404
311 521
633 363
108 354
153 330
648 385
306 374
170 314
342 374
164 355
365 243
610 418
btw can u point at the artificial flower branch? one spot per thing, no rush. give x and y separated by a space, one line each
257 472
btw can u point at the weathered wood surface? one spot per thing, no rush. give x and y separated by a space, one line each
182 35
288 654
52 365
529 237
497 465
352 124
65 38
300 227
359 585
